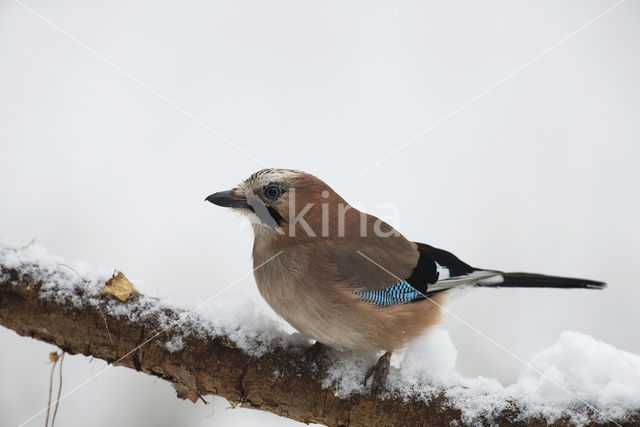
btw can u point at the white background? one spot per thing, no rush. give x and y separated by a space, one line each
539 174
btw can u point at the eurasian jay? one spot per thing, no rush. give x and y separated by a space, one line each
346 278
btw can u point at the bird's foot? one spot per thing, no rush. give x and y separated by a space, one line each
379 371
313 354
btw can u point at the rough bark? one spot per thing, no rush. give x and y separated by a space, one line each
215 365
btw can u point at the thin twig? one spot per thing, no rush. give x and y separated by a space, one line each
74 270
55 411
104 319
53 368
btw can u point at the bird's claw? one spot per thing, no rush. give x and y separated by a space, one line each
313 354
379 371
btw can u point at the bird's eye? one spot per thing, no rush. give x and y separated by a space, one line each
272 192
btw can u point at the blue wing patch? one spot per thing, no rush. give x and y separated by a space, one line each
400 293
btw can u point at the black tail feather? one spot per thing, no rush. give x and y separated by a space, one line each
531 280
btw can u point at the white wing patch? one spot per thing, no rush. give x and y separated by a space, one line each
443 272
491 280
483 278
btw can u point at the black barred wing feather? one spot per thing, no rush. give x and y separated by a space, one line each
400 293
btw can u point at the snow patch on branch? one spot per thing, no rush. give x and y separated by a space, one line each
579 378
77 284
174 344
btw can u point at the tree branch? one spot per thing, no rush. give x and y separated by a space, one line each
278 381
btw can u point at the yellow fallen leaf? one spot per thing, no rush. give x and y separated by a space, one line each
119 286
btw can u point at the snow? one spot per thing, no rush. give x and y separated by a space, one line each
598 373
77 284
174 344
61 280
576 376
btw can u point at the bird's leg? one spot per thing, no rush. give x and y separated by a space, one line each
312 354
379 371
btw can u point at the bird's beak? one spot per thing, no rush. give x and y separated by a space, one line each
228 200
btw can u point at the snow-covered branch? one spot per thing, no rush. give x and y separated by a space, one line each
234 352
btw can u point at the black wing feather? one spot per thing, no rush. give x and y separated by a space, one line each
426 271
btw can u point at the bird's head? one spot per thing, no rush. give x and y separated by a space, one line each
290 202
